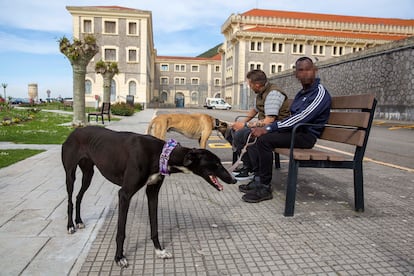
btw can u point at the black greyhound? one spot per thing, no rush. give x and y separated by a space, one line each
132 160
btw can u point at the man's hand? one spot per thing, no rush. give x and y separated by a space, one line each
238 125
258 131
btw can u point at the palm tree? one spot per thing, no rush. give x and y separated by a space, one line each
108 71
79 54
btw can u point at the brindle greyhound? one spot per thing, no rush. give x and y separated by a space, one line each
132 160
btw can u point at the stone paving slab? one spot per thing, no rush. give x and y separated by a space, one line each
216 233
209 232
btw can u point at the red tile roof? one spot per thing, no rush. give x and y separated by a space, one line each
323 33
329 17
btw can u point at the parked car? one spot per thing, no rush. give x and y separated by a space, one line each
19 101
217 103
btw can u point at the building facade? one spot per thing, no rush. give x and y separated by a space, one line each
124 36
185 81
272 40
269 40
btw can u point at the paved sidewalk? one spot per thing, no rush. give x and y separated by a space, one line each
33 210
208 232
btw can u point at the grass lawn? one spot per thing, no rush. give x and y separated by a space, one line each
30 127
43 128
8 157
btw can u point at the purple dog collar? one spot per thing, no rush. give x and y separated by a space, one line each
165 156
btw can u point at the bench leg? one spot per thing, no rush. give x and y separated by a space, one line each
359 187
291 188
277 160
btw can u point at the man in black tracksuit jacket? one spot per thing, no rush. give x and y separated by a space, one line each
311 105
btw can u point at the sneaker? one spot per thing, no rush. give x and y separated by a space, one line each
257 196
237 170
244 174
245 188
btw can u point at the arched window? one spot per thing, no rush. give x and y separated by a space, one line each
113 91
164 96
88 87
194 97
132 88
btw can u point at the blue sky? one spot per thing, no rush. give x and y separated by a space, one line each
29 31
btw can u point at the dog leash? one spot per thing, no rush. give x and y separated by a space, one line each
234 166
165 156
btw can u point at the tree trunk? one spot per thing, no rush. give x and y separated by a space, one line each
107 79
79 75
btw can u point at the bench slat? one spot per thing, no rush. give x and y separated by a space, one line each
364 101
311 154
357 119
348 136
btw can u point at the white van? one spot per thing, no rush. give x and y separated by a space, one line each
217 103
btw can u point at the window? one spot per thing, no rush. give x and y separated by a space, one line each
194 97
195 68
276 68
179 68
298 48
278 47
255 46
164 80
318 50
217 82
164 67
164 96
132 88
180 81
217 69
357 49
110 54
195 81
253 66
87 26
337 50
88 87
110 27
132 55
132 28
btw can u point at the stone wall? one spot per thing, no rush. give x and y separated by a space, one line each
386 71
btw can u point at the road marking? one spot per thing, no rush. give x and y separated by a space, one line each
368 159
399 127
215 138
219 145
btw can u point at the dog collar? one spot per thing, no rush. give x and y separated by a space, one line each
165 156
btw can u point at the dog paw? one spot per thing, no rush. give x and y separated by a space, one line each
123 263
71 230
163 254
80 225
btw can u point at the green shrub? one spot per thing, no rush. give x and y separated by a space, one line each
122 109
138 106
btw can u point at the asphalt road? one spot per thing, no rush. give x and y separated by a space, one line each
390 143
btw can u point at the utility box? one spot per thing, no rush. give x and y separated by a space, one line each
130 100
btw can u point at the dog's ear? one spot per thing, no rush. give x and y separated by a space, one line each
189 158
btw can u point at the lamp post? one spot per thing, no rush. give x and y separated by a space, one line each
4 85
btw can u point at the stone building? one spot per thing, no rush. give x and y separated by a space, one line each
124 36
272 40
186 81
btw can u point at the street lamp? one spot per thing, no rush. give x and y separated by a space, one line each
4 85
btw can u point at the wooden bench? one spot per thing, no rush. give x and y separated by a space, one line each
105 110
349 123
67 103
